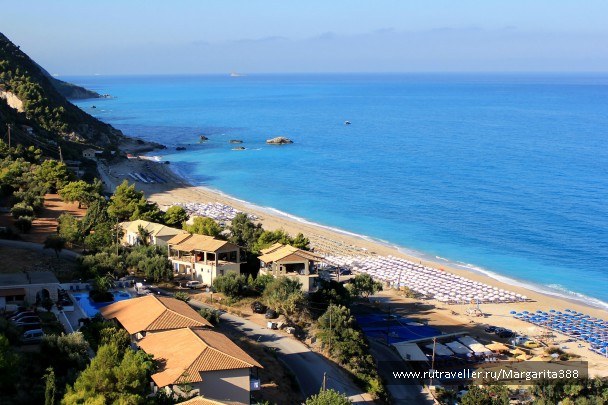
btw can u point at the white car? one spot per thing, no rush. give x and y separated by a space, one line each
194 284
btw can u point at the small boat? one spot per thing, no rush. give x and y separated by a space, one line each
346 122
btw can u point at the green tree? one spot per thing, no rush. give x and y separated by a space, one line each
70 228
97 214
103 263
494 394
243 232
175 216
329 292
53 175
72 349
148 211
9 366
55 242
260 282
230 284
79 191
157 268
364 285
143 235
203 226
101 236
328 397
284 294
113 376
125 201
50 387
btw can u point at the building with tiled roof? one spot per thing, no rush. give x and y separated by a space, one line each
204 359
157 234
203 258
199 400
142 315
289 261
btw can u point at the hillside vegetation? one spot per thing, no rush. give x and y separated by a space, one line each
52 118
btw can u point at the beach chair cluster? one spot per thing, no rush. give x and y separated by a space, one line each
429 282
216 211
573 324
147 178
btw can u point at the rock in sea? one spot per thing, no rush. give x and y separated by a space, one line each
279 140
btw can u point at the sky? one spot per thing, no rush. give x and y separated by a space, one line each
110 37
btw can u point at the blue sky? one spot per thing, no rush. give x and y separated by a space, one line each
72 37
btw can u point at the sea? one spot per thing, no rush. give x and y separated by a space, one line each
503 174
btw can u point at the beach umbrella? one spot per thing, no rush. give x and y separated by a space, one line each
513 312
523 357
497 347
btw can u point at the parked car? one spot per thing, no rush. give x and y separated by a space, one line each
194 284
490 329
258 307
23 314
531 344
271 314
32 336
345 272
30 326
506 333
27 319
14 313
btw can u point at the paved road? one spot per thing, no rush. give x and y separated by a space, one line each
306 365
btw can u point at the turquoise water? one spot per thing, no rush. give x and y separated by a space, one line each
92 308
504 174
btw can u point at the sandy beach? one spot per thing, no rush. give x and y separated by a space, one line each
446 317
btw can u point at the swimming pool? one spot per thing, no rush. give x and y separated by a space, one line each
92 308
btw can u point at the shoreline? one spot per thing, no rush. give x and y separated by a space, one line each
402 251
177 189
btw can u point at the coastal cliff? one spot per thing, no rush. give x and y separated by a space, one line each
36 107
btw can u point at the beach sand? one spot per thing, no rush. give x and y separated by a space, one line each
449 318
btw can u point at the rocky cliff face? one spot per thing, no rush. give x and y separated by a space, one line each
12 100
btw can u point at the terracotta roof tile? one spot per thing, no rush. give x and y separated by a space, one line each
200 242
286 251
152 313
191 352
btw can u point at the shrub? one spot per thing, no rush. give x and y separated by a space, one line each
22 210
211 315
182 296
24 224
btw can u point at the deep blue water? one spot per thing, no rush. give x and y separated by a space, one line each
502 173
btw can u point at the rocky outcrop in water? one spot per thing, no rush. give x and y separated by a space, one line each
279 140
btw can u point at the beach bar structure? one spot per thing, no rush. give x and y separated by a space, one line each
284 260
203 258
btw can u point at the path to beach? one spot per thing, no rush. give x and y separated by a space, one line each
176 190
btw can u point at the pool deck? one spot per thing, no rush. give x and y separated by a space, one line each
69 319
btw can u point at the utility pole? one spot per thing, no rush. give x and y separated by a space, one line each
433 362
331 332
9 135
323 388
60 155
